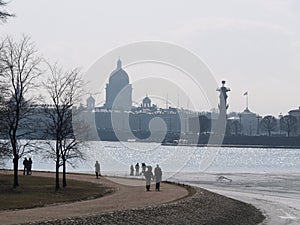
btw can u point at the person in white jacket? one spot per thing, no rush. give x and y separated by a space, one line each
148 176
157 177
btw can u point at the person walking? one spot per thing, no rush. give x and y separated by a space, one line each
131 170
97 169
143 168
148 176
157 177
25 164
137 169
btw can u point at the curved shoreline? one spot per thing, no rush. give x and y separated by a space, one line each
175 204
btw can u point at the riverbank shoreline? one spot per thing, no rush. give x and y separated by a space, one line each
279 142
232 146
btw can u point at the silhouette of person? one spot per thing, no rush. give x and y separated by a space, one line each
29 167
137 169
143 168
25 164
157 177
131 170
148 176
97 169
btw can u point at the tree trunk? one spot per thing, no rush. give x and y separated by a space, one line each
57 187
16 179
64 174
15 159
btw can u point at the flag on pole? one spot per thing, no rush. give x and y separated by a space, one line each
246 93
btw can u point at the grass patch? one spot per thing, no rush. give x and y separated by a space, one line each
39 191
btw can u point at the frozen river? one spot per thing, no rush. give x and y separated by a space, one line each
267 178
276 194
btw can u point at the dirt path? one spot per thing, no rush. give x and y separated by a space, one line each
130 194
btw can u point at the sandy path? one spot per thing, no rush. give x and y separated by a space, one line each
126 197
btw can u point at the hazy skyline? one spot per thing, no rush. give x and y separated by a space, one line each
253 45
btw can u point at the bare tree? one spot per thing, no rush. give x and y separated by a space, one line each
268 124
64 89
288 124
4 153
19 65
4 148
233 128
3 13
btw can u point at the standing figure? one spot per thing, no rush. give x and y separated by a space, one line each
143 168
25 164
137 169
97 169
131 170
148 176
158 177
29 166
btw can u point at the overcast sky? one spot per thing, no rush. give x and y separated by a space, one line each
254 45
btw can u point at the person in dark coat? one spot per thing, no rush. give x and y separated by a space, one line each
131 170
29 167
157 177
25 164
143 168
137 169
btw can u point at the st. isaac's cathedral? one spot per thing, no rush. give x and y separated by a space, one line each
118 120
118 90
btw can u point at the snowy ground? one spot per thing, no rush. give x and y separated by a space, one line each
277 195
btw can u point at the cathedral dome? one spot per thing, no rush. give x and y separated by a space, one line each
119 76
118 90
90 99
146 102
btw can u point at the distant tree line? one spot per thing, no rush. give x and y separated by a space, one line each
287 125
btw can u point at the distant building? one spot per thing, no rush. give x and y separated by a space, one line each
146 102
90 103
296 114
119 125
249 122
117 119
118 90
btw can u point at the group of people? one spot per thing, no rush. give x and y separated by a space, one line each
137 169
157 176
146 172
27 163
